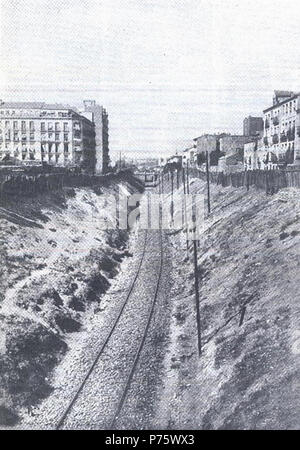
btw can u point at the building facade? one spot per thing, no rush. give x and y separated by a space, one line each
98 115
232 144
189 157
255 155
54 134
281 137
253 126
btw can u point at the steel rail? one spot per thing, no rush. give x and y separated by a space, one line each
99 354
139 351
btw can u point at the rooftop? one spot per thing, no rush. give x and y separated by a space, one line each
286 100
36 105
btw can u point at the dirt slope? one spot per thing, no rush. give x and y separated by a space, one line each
56 261
248 376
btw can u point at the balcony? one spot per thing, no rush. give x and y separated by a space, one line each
291 134
283 137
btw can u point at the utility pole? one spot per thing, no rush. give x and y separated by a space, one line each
185 213
187 178
172 196
208 181
197 297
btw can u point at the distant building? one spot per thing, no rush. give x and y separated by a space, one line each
189 156
231 163
253 126
51 133
281 136
162 161
208 142
177 159
219 145
255 156
98 115
232 144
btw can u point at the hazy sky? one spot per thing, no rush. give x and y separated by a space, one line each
166 70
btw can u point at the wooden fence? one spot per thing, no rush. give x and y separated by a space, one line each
18 185
269 180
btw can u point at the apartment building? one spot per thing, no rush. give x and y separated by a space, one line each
51 133
189 156
281 137
253 126
98 115
233 144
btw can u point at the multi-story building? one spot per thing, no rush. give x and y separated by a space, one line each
219 145
255 155
98 115
233 144
208 142
281 137
189 156
54 134
253 126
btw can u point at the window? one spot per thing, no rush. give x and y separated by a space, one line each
50 136
31 125
56 148
57 126
16 136
32 136
66 126
66 148
57 136
23 125
66 137
43 126
15 125
7 124
50 126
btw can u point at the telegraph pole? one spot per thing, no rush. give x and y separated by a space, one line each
172 196
197 296
185 213
208 181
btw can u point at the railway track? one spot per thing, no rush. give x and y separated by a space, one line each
112 332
